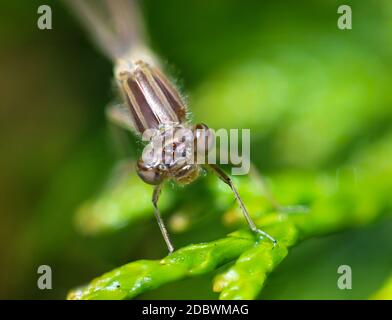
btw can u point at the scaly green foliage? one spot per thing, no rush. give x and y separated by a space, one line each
336 203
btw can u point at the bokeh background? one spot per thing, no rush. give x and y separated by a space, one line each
313 96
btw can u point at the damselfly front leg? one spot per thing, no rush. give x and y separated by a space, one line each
226 179
165 234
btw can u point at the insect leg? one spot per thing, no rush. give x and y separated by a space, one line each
165 234
226 179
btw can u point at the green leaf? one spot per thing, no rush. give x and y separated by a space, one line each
336 202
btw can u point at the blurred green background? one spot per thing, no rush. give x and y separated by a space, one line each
313 96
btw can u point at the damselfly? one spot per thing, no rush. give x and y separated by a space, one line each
151 101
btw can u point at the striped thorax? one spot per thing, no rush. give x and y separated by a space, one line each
152 99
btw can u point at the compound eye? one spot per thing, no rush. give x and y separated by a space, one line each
204 138
149 175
